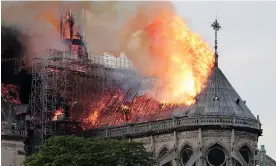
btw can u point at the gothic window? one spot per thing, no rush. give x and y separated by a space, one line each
216 156
163 152
245 152
186 154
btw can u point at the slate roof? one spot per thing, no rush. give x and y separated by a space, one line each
218 98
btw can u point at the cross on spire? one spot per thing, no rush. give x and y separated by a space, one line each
216 27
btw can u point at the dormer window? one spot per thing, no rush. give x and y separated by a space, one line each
238 101
216 98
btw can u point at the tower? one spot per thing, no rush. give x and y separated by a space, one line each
70 33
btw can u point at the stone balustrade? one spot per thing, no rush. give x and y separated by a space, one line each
172 123
8 130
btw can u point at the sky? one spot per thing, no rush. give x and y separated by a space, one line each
246 46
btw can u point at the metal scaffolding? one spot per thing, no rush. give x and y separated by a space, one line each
60 80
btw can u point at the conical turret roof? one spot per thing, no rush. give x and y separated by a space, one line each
219 98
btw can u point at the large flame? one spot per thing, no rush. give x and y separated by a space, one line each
154 38
182 64
110 109
182 61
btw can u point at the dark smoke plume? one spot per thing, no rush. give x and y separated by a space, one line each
12 56
11 51
11 46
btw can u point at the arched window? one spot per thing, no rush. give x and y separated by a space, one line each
216 156
245 152
163 152
186 154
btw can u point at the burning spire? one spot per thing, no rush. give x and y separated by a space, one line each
216 26
71 35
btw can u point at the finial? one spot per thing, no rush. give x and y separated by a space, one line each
216 27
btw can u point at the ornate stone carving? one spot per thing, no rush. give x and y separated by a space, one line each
216 134
246 135
163 138
186 135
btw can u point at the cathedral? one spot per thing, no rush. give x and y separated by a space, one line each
218 130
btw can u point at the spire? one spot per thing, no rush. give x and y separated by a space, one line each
216 27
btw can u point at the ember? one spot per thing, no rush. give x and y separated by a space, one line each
110 110
10 93
58 114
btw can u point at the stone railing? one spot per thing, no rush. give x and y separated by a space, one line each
172 123
8 130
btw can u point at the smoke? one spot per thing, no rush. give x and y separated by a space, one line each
122 27
11 45
39 33
117 27
112 27
13 48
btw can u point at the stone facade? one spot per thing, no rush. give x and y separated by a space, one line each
11 153
218 130
201 142
178 145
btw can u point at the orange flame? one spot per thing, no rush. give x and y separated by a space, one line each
105 113
58 113
184 61
47 15
93 118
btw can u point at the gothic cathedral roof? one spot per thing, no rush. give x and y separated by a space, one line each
219 98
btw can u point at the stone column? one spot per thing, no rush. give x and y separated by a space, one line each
200 161
262 156
232 147
176 161
152 144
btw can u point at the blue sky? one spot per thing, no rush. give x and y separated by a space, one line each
247 56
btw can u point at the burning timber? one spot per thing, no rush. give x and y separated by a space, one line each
99 91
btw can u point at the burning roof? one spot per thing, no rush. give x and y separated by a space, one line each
159 44
10 94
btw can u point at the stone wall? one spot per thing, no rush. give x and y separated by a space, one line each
10 155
